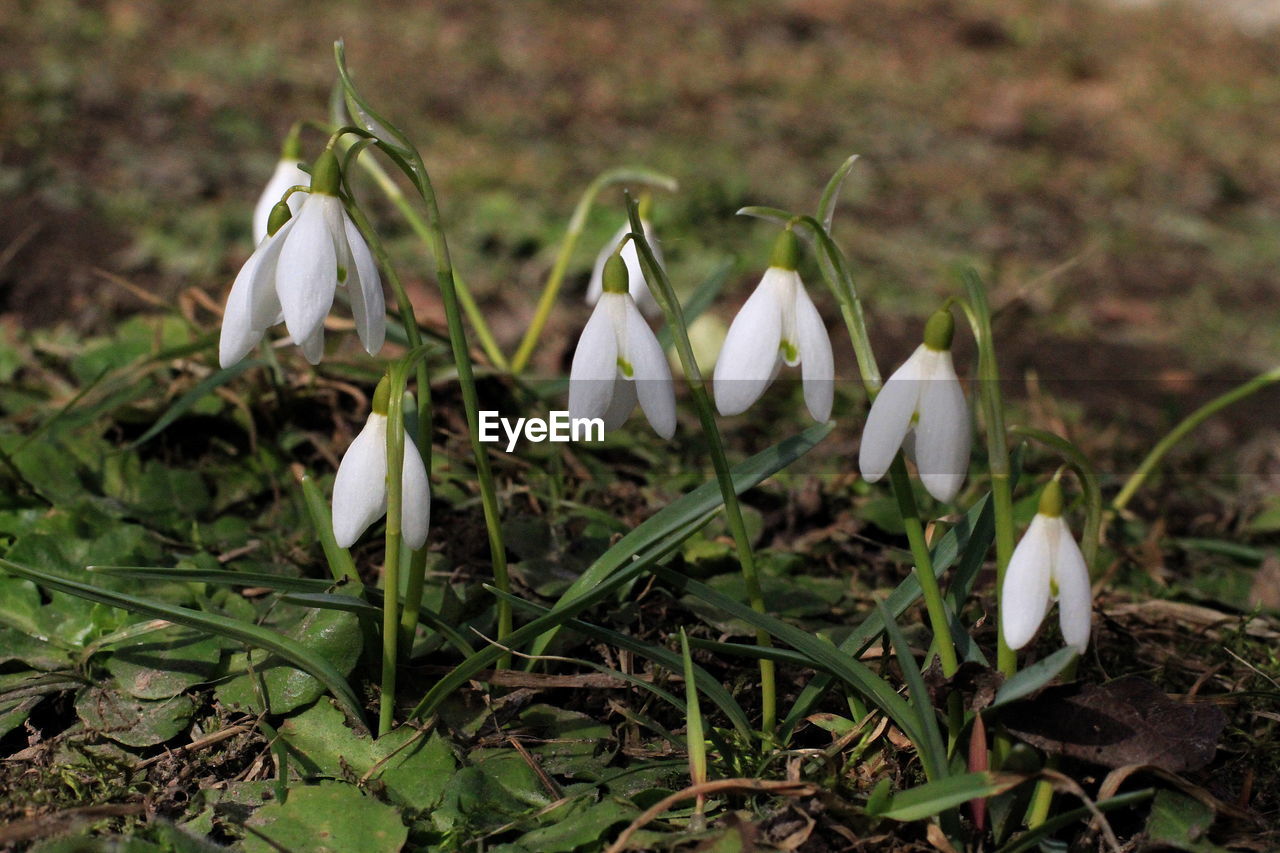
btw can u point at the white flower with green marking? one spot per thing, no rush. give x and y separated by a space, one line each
293 275
923 406
777 325
1047 566
619 362
360 488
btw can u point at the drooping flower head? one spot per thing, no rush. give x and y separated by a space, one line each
288 173
924 396
295 272
619 361
360 488
1047 566
777 325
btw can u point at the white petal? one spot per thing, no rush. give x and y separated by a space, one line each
313 347
286 175
622 401
1075 597
817 365
652 374
1025 594
749 357
596 286
595 365
306 275
252 305
368 306
415 491
890 417
943 434
360 488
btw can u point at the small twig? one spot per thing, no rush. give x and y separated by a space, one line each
547 782
198 743
760 786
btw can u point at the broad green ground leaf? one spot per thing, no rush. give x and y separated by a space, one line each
415 767
330 634
133 722
580 825
331 817
165 663
1180 822
570 744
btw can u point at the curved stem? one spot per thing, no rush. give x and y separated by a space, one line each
1180 431
665 295
576 224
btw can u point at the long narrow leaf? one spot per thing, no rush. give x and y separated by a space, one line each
554 618
211 623
216 576
184 403
933 751
936 797
696 503
827 204
825 655
1033 837
1027 681
710 686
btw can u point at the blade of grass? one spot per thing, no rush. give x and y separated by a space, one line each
931 798
933 750
705 498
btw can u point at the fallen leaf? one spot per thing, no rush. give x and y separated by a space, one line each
1125 721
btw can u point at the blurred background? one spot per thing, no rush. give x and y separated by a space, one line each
1112 168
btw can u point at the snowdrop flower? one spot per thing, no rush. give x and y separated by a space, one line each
1047 565
619 361
294 273
639 287
777 325
360 489
923 395
288 174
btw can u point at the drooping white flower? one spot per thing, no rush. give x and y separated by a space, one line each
360 488
639 287
777 325
1046 566
619 362
287 174
924 396
294 274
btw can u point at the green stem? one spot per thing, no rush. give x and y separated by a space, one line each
391 559
413 600
1042 799
979 314
1180 431
933 602
665 295
576 224
419 226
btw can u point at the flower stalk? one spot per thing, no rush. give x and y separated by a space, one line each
665 294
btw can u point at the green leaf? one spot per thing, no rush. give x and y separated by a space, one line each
827 204
414 767
184 403
327 818
244 632
933 798
1180 822
1027 681
331 635
700 501
133 722
933 751
165 664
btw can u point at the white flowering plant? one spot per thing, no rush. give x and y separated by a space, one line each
316 243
